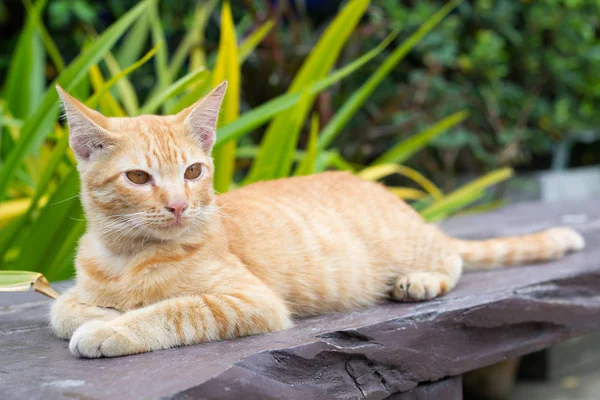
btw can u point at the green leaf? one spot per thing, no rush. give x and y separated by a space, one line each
51 49
134 41
321 59
307 165
250 43
50 169
466 194
194 37
93 101
52 226
23 281
404 150
25 78
351 106
278 155
158 37
172 90
227 68
260 115
39 124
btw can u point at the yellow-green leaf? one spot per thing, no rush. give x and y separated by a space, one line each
403 150
377 172
227 68
307 165
466 194
23 281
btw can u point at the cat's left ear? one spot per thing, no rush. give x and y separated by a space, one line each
201 118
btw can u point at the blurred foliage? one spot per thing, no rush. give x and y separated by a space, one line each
41 217
528 72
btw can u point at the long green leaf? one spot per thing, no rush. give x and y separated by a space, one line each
227 68
351 106
134 41
466 194
10 232
260 115
279 155
38 125
173 90
49 44
25 79
307 165
250 43
52 225
93 101
321 59
404 150
126 91
194 37
158 37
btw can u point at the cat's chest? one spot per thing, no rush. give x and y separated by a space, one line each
129 283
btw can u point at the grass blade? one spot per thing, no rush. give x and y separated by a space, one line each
158 37
260 115
307 165
321 59
466 194
194 37
351 106
134 41
404 150
174 89
250 43
406 193
93 101
377 172
227 68
25 79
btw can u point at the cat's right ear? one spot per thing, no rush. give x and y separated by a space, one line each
88 134
201 118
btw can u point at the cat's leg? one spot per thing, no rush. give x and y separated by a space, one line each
430 282
183 321
69 313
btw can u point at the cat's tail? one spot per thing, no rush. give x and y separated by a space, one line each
550 244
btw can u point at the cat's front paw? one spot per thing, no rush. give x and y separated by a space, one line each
96 339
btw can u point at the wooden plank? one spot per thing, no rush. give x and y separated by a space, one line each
372 353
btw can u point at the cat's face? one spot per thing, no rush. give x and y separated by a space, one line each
147 177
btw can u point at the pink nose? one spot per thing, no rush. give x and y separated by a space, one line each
177 207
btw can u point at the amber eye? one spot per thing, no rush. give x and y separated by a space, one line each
193 171
138 177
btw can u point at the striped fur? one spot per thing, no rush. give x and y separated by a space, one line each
246 262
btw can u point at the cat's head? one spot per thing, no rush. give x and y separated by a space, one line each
147 177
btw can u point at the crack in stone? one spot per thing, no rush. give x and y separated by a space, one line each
354 379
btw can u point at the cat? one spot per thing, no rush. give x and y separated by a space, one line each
166 262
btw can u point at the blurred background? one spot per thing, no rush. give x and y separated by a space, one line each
442 101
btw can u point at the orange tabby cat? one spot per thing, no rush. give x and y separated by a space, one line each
167 263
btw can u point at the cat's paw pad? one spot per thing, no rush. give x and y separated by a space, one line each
569 238
96 339
419 287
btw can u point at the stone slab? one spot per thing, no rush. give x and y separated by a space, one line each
371 353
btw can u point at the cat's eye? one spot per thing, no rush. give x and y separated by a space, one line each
193 171
138 177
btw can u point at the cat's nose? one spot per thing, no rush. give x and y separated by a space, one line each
177 207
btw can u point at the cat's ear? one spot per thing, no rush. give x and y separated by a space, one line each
201 118
88 132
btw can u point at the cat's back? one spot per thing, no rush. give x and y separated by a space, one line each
315 238
337 191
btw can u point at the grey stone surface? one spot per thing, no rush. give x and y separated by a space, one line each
371 353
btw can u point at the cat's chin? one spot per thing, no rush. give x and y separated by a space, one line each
171 231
